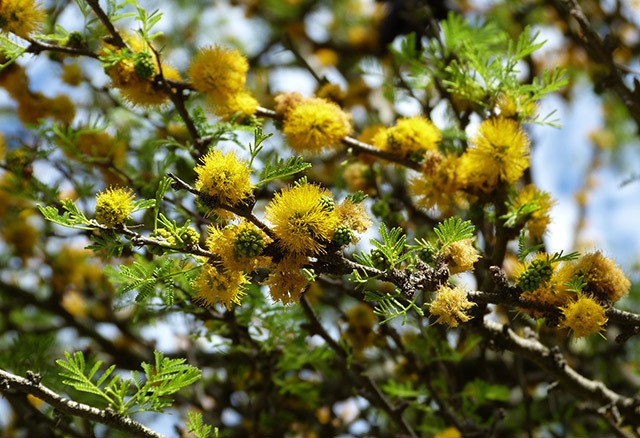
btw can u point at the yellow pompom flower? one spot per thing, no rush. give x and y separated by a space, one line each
301 220
412 136
450 306
242 103
602 275
538 220
498 152
239 246
286 281
440 184
223 177
542 283
218 72
113 206
215 283
21 17
353 216
460 256
316 124
584 316
125 75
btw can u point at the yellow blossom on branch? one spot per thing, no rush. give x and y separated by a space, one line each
584 316
412 136
21 17
499 152
460 256
440 184
113 206
215 283
538 220
287 282
450 306
218 72
239 246
316 124
242 103
301 220
224 178
602 276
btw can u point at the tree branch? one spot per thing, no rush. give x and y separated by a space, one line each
107 417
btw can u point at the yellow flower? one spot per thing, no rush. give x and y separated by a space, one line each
538 220
301 221
218 72
113 206
353 216
542 283
450 306
229 242
21 17
137 90
412 136
224 178
584 316
242 102
603 276
440 183
145 92
316 124
286 281
216 283
460 256
498 152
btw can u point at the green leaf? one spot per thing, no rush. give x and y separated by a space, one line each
453 230
280 169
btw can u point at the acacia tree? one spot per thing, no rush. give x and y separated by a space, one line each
180 236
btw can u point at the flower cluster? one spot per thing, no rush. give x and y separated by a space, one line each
498 153
300 220
21 17
224 179
552 286
113 206
215 283
460 256
134 73
450 306
312 124
410 137
220 74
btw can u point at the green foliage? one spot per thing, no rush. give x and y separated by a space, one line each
149 277
71 218
164 378
198 428
391 306
280 169
453 230
391 249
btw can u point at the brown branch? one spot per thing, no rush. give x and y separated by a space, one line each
550 360
108 417
37 47
116 39
374 393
